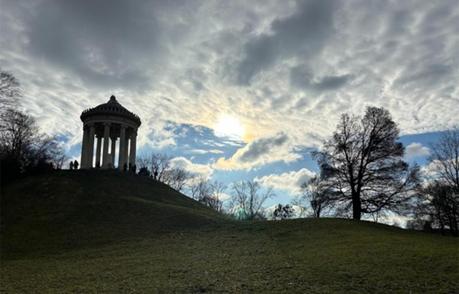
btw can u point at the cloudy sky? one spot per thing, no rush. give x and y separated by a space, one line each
237 89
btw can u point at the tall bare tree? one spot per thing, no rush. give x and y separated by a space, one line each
439 205
363 163
445 157
248 196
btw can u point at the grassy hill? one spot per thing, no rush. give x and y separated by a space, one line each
91 231
78 209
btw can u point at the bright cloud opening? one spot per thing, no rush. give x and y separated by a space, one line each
229 126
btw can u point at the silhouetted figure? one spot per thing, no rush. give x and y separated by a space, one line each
75 164
134 169
98 164
125 167
71 165
155 174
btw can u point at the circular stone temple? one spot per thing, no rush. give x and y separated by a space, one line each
105 124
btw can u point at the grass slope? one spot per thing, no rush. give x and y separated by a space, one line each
77 209
95 232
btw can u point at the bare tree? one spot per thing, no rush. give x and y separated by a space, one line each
445 157
10 90
18 132
317 193
159 165
301 205
176 178
439 204
363 163
248 196
218 190
208 193
23 149
143 162
442 207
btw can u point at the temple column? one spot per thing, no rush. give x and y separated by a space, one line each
105 159
90 150
123 147
98 150
113 151
133 147
84 147
126 151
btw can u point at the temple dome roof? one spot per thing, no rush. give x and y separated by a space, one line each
112 107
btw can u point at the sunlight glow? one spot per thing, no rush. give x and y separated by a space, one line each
229 126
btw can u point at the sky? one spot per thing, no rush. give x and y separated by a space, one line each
237 90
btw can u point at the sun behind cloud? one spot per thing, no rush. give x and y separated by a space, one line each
229 126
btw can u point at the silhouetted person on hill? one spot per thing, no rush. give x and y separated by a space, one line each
71 165
75 164
155 175
125 167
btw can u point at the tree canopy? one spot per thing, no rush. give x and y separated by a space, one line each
363 165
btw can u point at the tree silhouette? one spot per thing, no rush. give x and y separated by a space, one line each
363 165
317 193
439 204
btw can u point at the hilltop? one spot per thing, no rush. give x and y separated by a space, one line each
92 231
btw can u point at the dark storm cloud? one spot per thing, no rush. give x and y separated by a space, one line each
256 149
304 33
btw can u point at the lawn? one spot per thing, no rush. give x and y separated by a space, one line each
187 253
304 256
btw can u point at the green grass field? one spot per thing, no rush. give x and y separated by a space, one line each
88 232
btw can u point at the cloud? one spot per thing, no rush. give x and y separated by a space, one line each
259 152
304 32
203 151
290 67
434 170
416 150
301 78
202 171
289 181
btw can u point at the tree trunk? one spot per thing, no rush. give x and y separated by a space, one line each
356 206
318 211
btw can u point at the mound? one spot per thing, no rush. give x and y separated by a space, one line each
73 209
